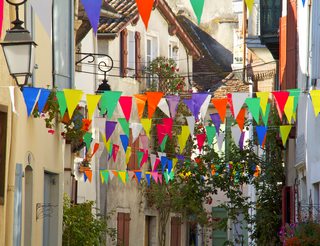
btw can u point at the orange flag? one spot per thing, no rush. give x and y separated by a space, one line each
153 100
221 106
240 118
145 8
88 173
141 102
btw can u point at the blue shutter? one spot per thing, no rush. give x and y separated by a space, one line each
17 206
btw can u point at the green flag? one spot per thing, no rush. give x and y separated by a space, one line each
197 6
125 126
163 144
87 139
211 133
265 117
109 101
62 102
254 107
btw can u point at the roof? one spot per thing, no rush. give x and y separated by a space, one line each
128 14
212 67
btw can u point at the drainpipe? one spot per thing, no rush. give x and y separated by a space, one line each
188 70
244 33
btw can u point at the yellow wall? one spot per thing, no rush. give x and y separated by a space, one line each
29 135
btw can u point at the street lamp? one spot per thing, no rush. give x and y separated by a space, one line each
18 48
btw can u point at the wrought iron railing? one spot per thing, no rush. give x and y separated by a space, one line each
308 212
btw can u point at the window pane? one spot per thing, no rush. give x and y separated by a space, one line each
63 43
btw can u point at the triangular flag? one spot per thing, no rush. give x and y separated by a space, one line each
200 140
220 139
146 123
144 158
62 102
303 2
138 175
30 95
128 155
221 107
195 103
161 132
163 143
229 96
95 149
241 118
173 102
125 142
163 106
92 102
123 176
153 99
126 106
140 155
73 97
136 129
164 161
87 138
108 102
11 92
88 174
264 98
183 137
168 122
284 132
131 175
265 117
261 133
281 98
141 102
166 177
147 175
43 98
249 4
43 9
105 175
144 142
156 164
238 99
191 122
161 154
112 174
197 6
315 98
241 140
216 121
101 176
145 8
110 126
174 162
211 133
115 149
204 107
288 108
254 108
296 94
85 177
92 8
153 158
155 176
170 165
124 125
236 134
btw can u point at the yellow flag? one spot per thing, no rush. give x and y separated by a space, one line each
106 143
288 108
284 132
73 97
128 155
174 162
249 4
315 96
102 179
264 97
183 137
146 124
123 176
92 102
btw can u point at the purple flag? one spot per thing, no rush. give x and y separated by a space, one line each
92 8
110 126
190 105
216 121
173 102
241 141
194 104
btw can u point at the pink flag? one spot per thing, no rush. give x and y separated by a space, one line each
168 122
126 106
200 139
115 149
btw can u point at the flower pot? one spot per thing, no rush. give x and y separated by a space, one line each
82 169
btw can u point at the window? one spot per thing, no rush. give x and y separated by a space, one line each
173 51
131 53
63 43
152 53
3 147
219 236
175 231
123 221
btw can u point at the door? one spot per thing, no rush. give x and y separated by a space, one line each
150 231
219 237
49 209
28 181
175 231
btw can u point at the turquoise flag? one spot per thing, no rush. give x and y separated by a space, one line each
197 6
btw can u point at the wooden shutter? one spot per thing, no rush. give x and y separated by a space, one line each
124 53
3 147
175 231
138 56
291 67
123 221
283 49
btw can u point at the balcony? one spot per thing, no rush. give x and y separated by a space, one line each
270 12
